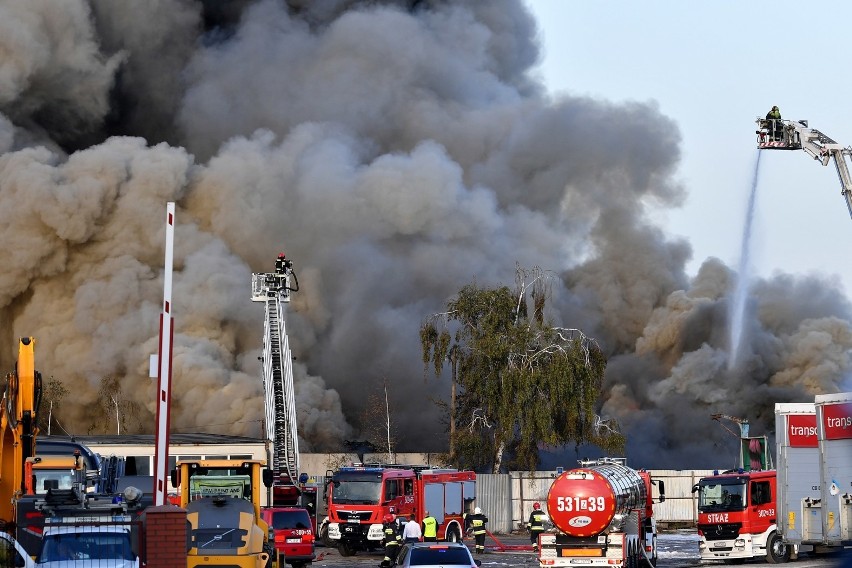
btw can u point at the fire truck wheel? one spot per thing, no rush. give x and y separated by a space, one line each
345 549
777 552
453 535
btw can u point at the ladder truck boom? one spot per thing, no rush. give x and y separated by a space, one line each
273 289
783 134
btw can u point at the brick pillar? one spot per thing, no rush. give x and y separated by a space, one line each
164 540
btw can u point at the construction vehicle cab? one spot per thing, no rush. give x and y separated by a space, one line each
53 472
222 502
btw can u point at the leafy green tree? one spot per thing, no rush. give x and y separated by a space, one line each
521 380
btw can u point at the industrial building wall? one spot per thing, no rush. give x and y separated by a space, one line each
681 505
494 497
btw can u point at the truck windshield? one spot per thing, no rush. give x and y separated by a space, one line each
47 479
209 482
362 492
714 496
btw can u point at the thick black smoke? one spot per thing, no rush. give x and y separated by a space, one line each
395 151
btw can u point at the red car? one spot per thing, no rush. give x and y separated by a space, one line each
294 534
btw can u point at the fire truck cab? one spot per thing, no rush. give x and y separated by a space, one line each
737 517
361 495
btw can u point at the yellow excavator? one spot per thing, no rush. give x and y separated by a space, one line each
18 415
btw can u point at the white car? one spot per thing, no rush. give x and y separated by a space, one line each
84 547
13 554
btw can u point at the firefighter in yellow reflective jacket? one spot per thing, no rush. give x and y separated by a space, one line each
475 524
536 524
429 524
773 120
392 540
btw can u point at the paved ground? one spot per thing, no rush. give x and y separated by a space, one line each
676 550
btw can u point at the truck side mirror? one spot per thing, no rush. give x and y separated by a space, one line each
175 476
267 477
662 491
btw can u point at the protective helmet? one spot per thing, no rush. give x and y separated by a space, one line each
388 518
477 511
280 255
536 506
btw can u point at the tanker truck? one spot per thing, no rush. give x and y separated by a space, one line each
603 515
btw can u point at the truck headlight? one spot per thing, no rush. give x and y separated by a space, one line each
334 531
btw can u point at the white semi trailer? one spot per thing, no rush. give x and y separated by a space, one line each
834 425
798 475
814 473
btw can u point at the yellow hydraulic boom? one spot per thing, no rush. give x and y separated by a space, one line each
18 425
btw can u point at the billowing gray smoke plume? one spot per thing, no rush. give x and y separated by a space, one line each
396 151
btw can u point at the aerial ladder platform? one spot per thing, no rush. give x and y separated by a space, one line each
273 289
780 134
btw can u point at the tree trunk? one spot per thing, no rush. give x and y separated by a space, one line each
498 457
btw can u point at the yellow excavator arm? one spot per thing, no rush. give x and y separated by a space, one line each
18 427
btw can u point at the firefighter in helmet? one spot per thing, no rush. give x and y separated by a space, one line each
536 524
281 263
475 524
773 121
392 540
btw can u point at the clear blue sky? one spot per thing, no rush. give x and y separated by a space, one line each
713 67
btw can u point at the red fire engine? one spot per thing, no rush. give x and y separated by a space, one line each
738 514
360 496
737 517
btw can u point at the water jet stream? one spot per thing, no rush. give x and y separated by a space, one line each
743 278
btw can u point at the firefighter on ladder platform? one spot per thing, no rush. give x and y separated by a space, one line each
773 121
282 264
536 524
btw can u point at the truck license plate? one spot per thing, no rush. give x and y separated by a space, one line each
294 540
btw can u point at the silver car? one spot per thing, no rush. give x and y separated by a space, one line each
437 555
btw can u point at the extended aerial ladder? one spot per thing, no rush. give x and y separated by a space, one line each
273 289
783 134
